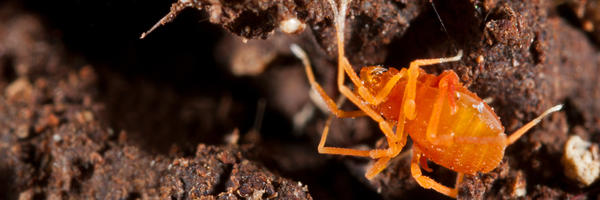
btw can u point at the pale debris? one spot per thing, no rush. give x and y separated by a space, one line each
316 98
581 161
292 25
519 189
19 89
233 137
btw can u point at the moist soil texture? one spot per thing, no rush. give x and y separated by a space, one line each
212 104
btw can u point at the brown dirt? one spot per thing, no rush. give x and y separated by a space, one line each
89 111
56 144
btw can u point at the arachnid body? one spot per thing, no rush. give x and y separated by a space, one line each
448 124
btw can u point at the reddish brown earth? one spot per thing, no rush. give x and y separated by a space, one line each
88 110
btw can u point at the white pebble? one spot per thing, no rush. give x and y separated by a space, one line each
56 138
581 161
292 25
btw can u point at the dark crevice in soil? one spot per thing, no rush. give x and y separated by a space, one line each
574 115
8 188
134 196
221 185
7 68
568 13
425 38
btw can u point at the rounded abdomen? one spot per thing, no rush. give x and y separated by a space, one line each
475 134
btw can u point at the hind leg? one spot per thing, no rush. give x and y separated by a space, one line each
425 181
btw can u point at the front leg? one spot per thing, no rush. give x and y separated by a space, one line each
333 107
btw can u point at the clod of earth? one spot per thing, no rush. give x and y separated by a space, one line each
55 142
581 160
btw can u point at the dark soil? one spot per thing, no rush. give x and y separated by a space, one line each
88 110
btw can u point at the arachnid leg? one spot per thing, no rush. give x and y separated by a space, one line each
400 137
336 150
394 146
446 85
346 151
379 166
425 181
344 66
410 91
518 133
315 85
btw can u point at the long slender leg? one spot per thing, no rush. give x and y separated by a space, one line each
344 151
385 126
400 135
410 92
344 66
518 133
446 85
314 84
394 150
425 181
379 165
335 150
340 22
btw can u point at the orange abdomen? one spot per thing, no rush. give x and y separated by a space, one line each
478 140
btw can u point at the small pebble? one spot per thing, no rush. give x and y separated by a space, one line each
519 188
292 25
19 89
581 161
26 195
56 138
22 131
